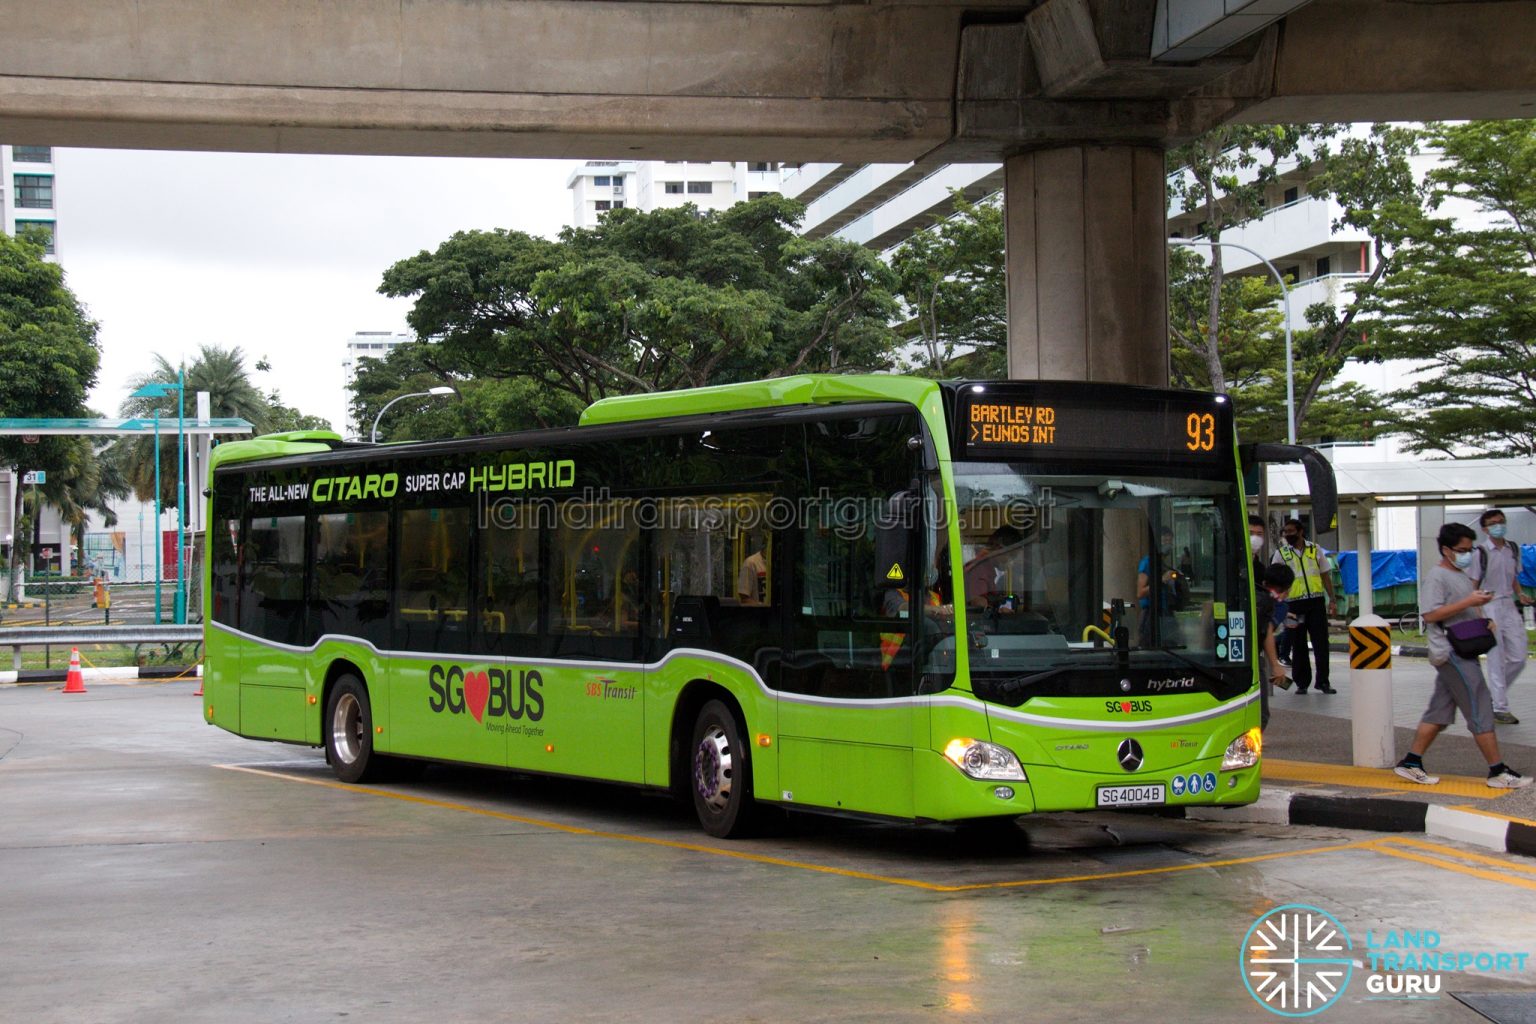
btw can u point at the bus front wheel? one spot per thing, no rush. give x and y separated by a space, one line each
721 773
349 731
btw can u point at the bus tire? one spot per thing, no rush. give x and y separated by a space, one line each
349 732
720 773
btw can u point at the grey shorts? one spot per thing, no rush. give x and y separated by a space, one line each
1459 683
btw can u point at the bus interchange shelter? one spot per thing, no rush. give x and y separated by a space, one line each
199 433
1428 487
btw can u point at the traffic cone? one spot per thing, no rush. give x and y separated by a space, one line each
74 682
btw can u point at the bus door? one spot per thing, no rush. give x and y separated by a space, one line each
272 607
849 711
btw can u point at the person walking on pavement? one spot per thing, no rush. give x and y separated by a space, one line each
1448 595
1311 603
1496 569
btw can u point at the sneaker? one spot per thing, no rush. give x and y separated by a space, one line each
1507 779
1505 718
1419 775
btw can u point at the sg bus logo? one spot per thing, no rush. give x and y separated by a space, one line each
495 692
1296 960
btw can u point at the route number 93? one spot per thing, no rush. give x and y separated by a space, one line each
1201 428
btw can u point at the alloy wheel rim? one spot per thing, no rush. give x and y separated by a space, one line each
713 766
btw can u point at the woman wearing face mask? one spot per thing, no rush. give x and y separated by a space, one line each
1449 596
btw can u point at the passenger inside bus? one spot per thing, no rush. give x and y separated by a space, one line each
1158 564
752 579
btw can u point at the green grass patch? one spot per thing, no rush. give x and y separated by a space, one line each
108 655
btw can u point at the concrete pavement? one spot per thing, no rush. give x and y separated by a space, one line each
154 868
1309 777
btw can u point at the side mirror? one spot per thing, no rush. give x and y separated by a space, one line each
1320 480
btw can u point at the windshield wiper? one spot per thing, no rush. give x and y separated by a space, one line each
1013 692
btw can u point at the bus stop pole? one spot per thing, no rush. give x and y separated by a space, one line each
1370 663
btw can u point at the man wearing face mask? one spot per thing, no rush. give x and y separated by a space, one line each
1496 568
1257 535
1448 596
1312 602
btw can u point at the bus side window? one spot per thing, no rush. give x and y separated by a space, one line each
432 575
350 595
509 575
272 576
224 550
595 576
714 560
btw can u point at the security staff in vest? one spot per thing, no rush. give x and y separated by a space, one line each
1496 568
1311 603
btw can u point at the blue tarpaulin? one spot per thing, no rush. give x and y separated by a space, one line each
1390 568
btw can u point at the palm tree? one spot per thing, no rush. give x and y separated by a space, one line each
219 371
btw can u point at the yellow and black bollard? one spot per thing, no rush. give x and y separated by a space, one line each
1370 688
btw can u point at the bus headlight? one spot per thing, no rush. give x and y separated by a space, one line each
1243 752
982 760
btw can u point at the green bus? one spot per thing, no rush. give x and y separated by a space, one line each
869 595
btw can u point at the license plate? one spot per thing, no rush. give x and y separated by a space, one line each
1132 796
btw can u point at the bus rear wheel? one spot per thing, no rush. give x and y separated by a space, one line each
721 774
349 732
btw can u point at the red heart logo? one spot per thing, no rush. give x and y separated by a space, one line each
477 690
1125 705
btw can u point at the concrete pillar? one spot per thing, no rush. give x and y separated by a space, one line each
1087 264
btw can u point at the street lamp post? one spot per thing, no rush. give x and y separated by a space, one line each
441 390
1285 295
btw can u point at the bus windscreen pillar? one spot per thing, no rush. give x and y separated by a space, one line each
1087 264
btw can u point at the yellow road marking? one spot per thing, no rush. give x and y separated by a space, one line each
1463 869
1389 846
1375 778
1108 875
1450 851
579 830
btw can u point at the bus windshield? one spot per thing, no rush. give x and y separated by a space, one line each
1059 567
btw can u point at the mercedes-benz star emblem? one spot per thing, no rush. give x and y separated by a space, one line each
1129 753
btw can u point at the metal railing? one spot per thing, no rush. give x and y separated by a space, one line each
18 637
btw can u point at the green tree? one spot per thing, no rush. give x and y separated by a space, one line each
1226 174
650 301
1251 346
1371 178
953 285
1461 298
481 406
231 394
48 361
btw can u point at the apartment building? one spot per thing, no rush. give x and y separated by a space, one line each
598 186
29 198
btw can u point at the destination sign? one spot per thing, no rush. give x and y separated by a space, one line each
1042 425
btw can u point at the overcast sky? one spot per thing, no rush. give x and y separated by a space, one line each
281 255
